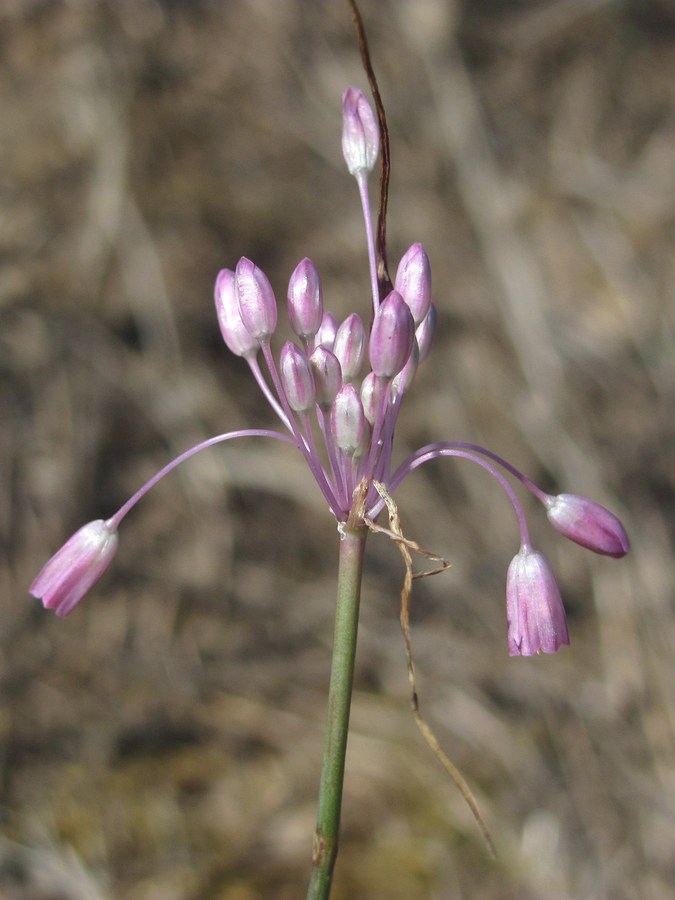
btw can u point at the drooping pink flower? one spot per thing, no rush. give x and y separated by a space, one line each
73 569
534 609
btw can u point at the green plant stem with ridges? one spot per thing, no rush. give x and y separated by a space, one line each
325 846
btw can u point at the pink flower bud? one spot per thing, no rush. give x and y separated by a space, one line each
405 377
73 569
327 376
425 332
391 337
296 378
257 304
534 608
371 392
360 132
305 300
413 281
349 345
347 420
325 336
587 523
234 332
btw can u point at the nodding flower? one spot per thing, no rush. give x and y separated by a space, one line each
337 393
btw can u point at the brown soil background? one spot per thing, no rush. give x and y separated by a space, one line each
165 740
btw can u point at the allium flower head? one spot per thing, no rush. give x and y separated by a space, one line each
342 419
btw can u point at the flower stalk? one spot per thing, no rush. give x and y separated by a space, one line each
325 843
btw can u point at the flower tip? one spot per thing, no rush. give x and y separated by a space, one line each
76 567
534 608
305 300
257 303
588 524
391 337
349 345
296 378
425 332
413 281
234 332
360 132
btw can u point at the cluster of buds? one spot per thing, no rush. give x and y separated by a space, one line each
342 419
343 423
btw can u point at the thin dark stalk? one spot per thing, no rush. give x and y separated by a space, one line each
383 278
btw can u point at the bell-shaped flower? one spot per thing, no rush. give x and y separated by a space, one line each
534 609
68 575
305 300
257 303
587 523
413 281
235 334
391 337
360 132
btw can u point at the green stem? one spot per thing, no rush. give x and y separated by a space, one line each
325 847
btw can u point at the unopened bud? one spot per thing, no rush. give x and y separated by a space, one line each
413 281
371 392
587 523
257 303
425 332
325 336
296 378
405 377
391 337
347 420
360 132
234 332
305 300
349 345
327 376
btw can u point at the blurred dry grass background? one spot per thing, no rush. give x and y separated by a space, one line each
165 741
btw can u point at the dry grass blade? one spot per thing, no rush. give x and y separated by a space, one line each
405 546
